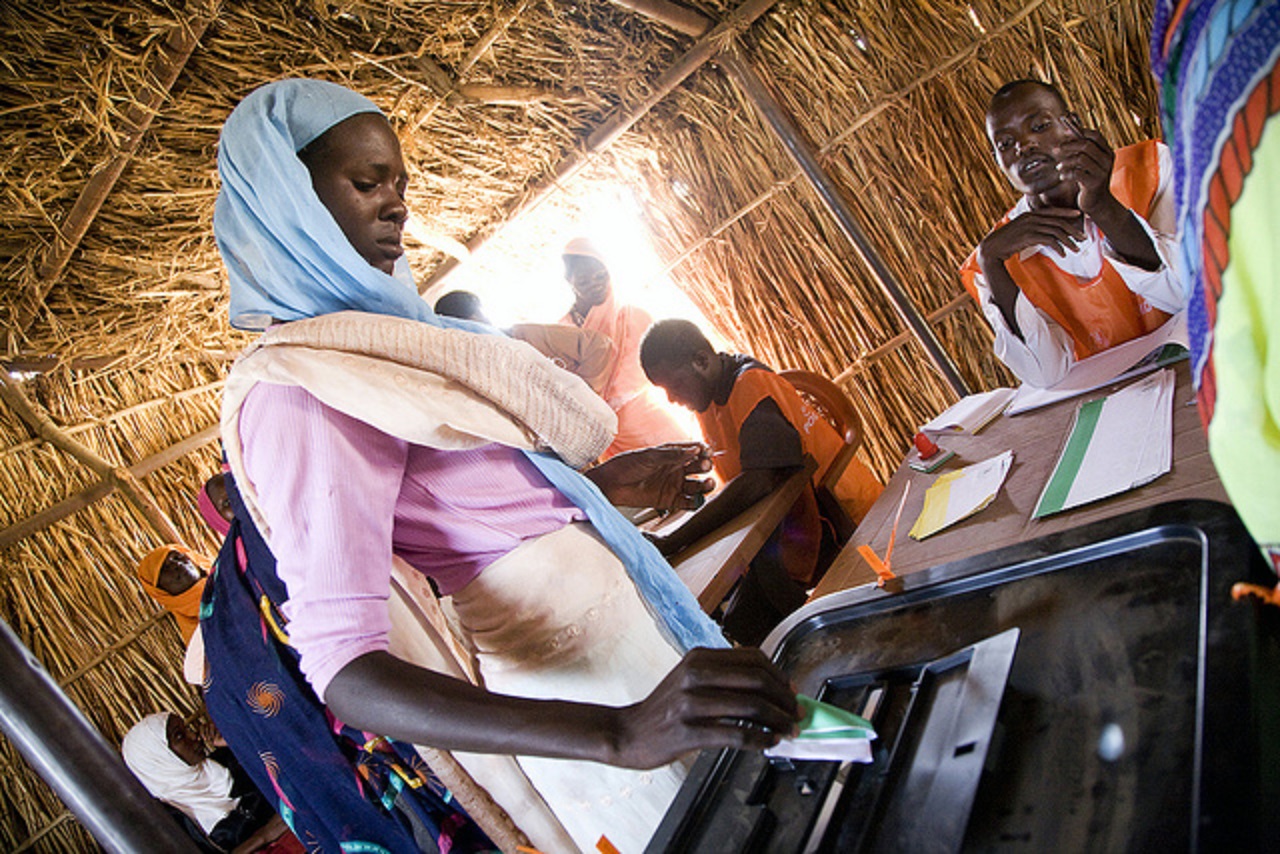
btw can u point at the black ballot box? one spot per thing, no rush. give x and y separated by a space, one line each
1095 690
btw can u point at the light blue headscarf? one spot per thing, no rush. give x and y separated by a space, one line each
287 259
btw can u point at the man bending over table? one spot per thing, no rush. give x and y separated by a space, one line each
759 430
1083 261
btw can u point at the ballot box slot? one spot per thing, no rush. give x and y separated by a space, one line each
931 751
934 722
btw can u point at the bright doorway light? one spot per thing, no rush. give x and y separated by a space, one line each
519 274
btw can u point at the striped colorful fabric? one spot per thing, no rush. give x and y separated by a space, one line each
1220 93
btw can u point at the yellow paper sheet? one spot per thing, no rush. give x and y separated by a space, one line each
959 494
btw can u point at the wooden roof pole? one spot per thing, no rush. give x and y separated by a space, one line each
711 44
679 18
177 49
774 115
119 477
865 361
25 528
73 429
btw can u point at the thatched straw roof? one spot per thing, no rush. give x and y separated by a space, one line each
117 301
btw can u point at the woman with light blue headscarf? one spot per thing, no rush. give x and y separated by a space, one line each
372 444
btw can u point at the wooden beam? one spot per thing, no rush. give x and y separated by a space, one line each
678 18
116 645
54 823
33 524
177 49
863 362
44 427
21 530
120 413
619 122
518 96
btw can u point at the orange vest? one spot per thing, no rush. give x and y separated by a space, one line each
800 532
1101 312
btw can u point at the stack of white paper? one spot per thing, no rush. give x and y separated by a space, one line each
1117 443
1164 346
972 413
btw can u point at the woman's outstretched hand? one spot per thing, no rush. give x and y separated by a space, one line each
714 698
665 477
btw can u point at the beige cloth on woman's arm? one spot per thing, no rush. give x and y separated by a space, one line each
439 388
584 352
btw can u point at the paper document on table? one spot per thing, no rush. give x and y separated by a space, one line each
1117 442
1164 346
959 494
970 414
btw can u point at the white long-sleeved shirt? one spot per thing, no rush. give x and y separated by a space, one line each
1045 352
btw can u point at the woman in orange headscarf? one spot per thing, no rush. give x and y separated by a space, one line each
175 577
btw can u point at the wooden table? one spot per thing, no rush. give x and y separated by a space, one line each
710 566
1036 437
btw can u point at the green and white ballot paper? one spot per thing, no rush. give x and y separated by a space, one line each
1118 442
827 732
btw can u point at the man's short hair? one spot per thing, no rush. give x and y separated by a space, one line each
672 343
462 304
1006 89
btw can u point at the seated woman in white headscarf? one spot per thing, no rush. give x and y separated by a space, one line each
362 430
175 766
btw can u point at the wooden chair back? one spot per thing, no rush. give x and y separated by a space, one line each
833 405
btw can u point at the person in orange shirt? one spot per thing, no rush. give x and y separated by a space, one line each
1084 260
759 430
643 420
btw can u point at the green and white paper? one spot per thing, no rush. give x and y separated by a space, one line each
1117 443
827 732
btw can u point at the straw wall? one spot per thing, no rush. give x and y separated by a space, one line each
69 591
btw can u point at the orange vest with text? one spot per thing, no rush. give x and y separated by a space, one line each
800 531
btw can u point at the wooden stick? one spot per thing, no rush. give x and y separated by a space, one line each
178 47
953 305
119 644
678 18
121 413
43 426
486 41
79 501
472 57
514 95
59 820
